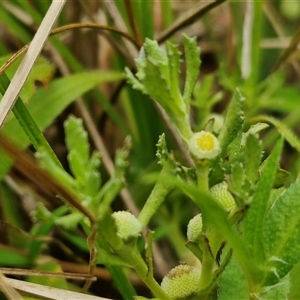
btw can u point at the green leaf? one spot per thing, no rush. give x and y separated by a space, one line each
42 72
278 291
233 283
27 122
11 258
233 121
174 71
281 234
46 105
237 178
77 138
192 58
291 138
215 216
254 220
107 258
253 154
294 282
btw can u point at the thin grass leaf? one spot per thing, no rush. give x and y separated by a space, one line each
27 123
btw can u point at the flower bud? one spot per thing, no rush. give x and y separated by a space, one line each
222 195
194 228
204 145
128 226
182 282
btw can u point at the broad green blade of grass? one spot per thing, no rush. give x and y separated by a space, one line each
46 105
254 220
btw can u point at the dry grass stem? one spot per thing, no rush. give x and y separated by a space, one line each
9 98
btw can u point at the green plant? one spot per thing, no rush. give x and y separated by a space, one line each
243 244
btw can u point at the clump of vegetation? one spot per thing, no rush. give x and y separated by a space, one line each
200 204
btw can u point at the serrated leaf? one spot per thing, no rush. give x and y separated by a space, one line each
253 154
77 138
151 52
192 59
46 105
254 220
281 234
77 166
136 84
162 152
233 121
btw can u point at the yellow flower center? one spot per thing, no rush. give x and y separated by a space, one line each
206 141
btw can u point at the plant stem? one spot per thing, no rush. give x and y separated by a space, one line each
202 171
132 255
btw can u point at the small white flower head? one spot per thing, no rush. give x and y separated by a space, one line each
222 195
204 145
181 282
128 226
194 228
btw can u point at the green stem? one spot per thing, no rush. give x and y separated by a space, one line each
202 171
132 255
158 195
